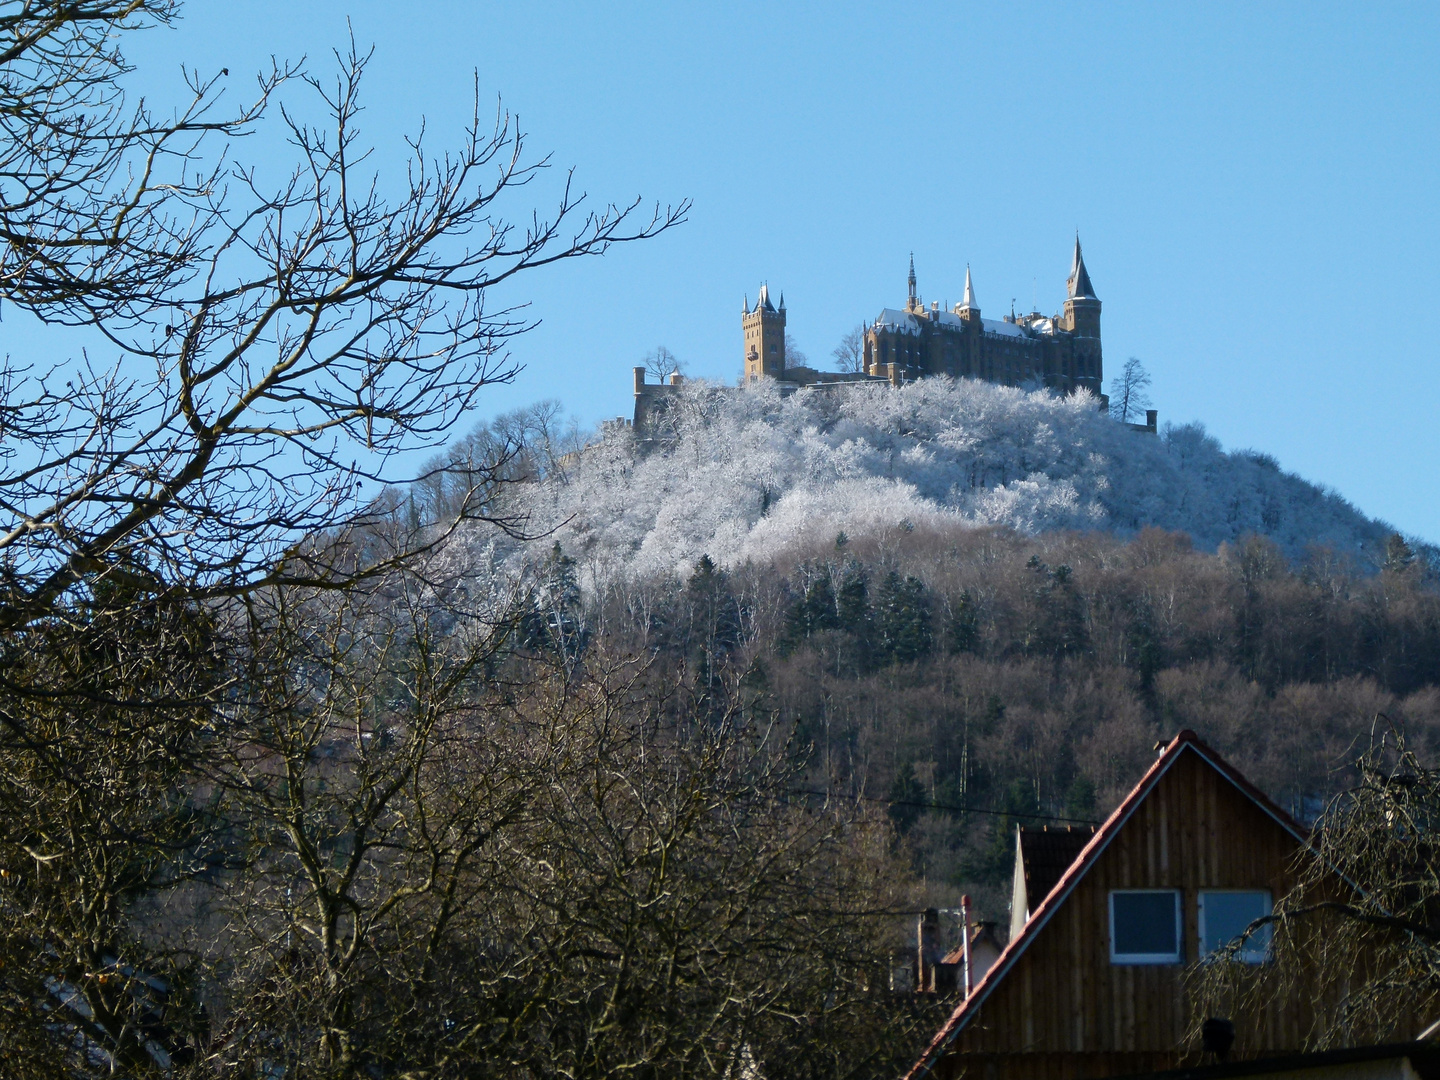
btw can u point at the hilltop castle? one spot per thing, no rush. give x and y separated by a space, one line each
1061 352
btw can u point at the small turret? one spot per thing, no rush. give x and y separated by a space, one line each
968 309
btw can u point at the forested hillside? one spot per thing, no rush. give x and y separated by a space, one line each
973 604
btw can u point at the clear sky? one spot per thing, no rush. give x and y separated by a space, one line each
1255 185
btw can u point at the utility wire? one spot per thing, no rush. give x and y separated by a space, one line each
945 806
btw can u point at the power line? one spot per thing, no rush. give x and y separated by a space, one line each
946 806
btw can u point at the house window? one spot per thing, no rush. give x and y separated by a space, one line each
1145 926
1224 915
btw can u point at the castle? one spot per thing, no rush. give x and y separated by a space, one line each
1061 352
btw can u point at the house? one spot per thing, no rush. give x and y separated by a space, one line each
930 969
1104 923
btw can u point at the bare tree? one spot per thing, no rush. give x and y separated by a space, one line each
793 356
850 353
107 715
1127 391
274 353
451 852
661 364
269 349
96 196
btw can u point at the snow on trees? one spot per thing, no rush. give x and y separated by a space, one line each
747 475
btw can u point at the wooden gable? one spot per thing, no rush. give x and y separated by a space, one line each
1055 1006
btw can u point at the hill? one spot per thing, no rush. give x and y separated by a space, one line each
750 476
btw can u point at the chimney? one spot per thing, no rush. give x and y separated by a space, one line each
969 983
639 380
928 950
1152 418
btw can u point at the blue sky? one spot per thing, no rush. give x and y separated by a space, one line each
1255 186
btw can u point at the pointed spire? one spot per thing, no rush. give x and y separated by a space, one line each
911 279
1077 285
763 300
746 308
969 299
782 299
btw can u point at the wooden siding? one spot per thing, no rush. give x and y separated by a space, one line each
1064 1011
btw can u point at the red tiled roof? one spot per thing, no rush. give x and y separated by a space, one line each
1186 740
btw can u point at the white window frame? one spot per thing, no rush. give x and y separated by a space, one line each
1178 956
1248 955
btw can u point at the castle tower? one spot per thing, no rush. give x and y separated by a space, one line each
912 303
1082 306
764 337
1082 318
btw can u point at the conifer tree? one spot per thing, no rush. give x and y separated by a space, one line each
811 613
962 629
903 619
714 629
907 798
853 602
1398 554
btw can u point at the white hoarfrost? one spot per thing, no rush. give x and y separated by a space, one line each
746 475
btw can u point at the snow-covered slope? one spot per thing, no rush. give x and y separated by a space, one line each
746 475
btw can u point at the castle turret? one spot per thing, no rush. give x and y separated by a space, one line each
1082 306
1082 318
764 337
912 303
968 309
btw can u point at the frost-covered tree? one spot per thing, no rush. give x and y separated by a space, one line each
748 475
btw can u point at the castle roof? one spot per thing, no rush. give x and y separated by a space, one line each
1077 285
898 322
906 322
969 299
1003 328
